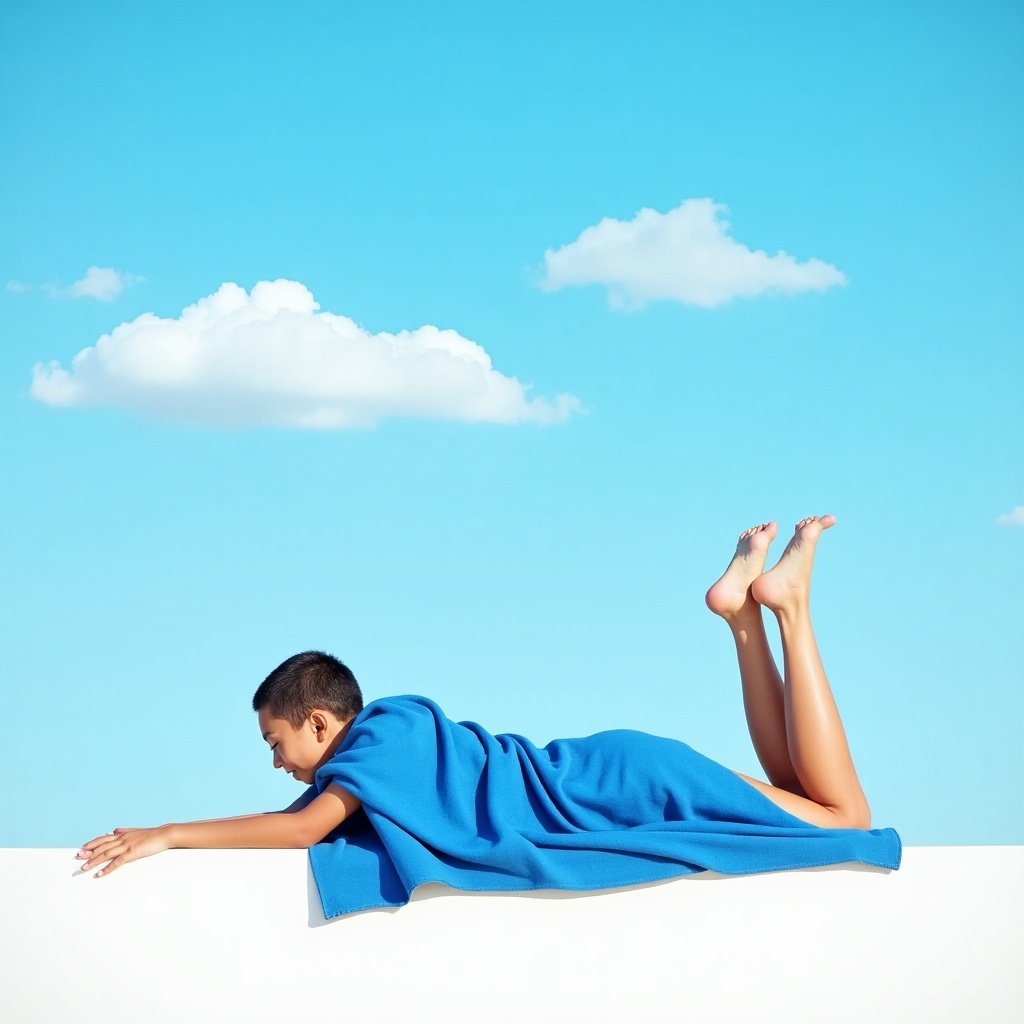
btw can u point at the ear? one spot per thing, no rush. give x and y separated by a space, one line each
319 722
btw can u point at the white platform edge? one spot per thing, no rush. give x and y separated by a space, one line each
238 935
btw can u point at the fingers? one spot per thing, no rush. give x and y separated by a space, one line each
114 856
103 848
94 861
108 852
112 866
97 846
120 847
106 837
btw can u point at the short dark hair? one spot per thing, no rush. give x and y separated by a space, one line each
312 679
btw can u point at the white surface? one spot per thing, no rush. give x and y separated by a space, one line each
237 935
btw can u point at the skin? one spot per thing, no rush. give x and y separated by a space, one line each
793 720
301 751
298 751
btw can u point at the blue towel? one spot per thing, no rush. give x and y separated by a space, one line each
448 802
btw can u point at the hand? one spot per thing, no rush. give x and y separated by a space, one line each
121 846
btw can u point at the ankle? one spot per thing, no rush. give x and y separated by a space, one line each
794 613
745 619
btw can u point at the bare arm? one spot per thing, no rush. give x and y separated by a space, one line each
274 830
304 824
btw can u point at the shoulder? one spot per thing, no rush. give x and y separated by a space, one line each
390 735
401 713
401 703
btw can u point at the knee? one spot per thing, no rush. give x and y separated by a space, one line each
856 816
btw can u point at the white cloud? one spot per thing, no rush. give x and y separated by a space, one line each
102 283
17 286
238 358
1015 517
685 255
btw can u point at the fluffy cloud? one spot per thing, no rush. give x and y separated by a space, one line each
1015 517
685 255
103 283
13 287
238 358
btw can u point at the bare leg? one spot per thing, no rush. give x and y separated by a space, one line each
817 742
763 700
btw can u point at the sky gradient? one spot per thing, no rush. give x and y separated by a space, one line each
460 188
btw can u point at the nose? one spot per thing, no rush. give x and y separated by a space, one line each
278 763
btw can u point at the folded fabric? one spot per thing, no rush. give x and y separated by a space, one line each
449 802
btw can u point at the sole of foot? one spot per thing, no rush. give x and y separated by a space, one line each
787 586
730 594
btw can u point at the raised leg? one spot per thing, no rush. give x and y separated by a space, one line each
763 699
817 742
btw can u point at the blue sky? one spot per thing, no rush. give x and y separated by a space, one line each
172 531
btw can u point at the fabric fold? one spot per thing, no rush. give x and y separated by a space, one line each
449 802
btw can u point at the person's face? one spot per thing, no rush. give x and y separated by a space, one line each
299 751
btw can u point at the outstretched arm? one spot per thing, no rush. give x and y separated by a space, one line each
290 829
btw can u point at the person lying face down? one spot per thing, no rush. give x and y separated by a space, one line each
308 705
305 708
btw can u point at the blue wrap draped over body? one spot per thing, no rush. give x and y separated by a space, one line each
449 802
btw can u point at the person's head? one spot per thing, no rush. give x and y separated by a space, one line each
305 707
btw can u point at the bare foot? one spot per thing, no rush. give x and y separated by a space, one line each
731 594
788 586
